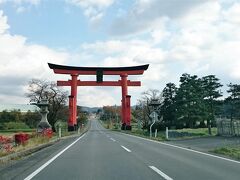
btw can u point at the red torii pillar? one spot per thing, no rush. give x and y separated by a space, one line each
72 122
126 107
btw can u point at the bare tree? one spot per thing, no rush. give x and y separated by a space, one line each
143 105
151 94
42 89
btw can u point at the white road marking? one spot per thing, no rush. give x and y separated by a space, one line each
128 150
51 160
113 139
160 173
179 147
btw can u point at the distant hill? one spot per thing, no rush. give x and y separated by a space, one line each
90 109
18 107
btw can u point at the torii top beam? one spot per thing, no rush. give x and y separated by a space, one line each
132 70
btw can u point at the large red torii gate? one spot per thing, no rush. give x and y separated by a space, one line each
123 72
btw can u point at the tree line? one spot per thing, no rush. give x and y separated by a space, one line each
195 103
58 108
17 120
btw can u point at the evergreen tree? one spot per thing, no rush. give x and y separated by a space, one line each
168 108
189 100
210 86
233 100
32 119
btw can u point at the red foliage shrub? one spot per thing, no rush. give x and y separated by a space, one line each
6 143
21 138
47 132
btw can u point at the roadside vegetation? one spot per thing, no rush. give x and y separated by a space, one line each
185 133
135 131
17 121
233 151
191 133
188 110
8 145
25 123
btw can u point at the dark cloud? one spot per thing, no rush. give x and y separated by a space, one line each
142 16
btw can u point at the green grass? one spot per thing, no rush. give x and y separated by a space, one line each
17 130
11 134
233 151
134 131
145 134
8 134
198 132
191 133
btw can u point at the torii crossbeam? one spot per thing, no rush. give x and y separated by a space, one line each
123 72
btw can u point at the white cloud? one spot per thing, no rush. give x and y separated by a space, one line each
146 13
21 62
138 50
3 23
21 5
233 13
91 3
19 2
21 9
99 96
94 10
202 13
206 40
33 2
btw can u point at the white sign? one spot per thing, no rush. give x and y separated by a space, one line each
153 115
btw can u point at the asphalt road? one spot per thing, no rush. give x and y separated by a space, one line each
105 155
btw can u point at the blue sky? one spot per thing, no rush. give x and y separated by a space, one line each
52 23
60 24
189 36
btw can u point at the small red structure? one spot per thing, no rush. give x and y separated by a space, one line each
123 72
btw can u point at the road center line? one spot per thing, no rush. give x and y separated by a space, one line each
191 150
113 139
51 160
160 173
128 150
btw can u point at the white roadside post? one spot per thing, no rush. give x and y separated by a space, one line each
156 133
59 131
166 132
